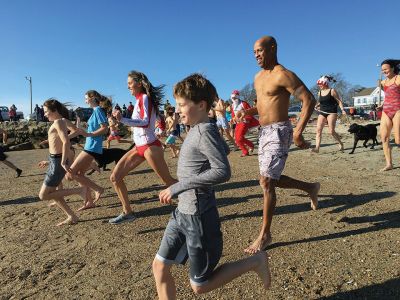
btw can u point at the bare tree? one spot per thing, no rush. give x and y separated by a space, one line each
248 93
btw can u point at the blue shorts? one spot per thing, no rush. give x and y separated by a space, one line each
171 139
194 237
55 172
222 123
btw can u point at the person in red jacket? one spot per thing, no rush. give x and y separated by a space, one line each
243 124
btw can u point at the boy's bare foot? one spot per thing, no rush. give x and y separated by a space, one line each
387 168
314 195
263 270
260 244
69 221
314 150
97 195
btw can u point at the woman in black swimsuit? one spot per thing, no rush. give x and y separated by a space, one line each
328 102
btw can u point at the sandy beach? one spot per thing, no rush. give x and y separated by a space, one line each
348 249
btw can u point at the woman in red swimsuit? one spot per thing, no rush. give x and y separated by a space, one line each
391 108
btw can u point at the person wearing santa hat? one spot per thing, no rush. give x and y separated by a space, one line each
243 124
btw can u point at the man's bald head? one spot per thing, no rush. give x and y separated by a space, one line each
268 42
265 52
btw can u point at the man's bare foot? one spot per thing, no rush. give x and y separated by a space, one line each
314 150
251 150
52 204
69 221
314 195
263 270
260 244
97 195
387 168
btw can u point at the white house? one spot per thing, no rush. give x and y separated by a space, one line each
368 96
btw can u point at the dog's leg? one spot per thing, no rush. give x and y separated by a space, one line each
354 146
365 143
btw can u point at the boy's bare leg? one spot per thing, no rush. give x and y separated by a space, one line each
165 283
268 185
230 138
229 271
71 216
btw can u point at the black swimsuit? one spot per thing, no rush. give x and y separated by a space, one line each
327 104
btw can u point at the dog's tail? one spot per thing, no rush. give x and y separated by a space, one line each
376 124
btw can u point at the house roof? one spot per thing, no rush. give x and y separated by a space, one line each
365 92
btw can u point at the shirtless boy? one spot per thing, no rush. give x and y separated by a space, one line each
172 134
60 159
222 122
274 84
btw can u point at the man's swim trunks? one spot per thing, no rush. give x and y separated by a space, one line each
274 143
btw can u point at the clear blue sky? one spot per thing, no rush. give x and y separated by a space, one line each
69 47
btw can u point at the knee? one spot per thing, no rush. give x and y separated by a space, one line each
114 178
332 132
265 183
159 268
385 138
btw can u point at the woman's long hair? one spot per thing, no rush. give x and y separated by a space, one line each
155 93
393 63
104 102
54 105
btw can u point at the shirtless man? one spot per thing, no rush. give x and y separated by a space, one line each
60 159
274 84
222 122
3 132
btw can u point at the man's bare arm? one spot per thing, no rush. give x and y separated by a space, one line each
308 103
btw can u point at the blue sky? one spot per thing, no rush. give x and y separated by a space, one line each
69 47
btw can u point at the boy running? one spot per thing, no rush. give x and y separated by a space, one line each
193 231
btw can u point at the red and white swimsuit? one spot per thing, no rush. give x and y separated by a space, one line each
143 121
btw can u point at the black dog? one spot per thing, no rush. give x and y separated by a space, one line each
110 155
364 133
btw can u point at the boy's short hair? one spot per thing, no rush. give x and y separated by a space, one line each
196 88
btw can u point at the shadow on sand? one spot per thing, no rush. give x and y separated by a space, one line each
388 290
22 200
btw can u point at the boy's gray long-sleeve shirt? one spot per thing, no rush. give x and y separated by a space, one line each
202 163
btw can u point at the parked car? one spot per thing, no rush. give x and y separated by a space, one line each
294 111
4 113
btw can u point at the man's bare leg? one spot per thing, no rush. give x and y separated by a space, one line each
268 185
269 203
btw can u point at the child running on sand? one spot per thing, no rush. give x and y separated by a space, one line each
171 122
193 231
60 159
148 147
97 127
3 159
114 132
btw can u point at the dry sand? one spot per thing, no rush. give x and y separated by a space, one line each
348 249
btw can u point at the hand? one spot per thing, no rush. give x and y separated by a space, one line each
300 142
66 166
43 164
117 114
344 112
43 142
165 196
